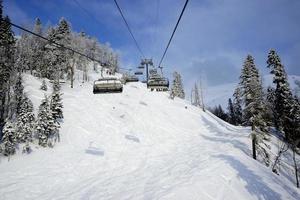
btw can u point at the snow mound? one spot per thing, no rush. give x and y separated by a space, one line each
139 145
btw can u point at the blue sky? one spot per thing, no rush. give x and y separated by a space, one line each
212 39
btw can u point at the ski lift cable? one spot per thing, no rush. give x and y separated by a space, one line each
156 24
128 27
87 12
162 58
52 42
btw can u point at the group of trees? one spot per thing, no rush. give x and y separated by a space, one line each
49 116
177 90
19 127
23 128
47 60
252 105
260 108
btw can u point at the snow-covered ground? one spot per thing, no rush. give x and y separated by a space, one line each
139 145
215 95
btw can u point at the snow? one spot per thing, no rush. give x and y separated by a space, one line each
139 145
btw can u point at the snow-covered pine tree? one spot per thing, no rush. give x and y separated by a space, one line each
23 52
270 106
56 104
295 118
177 86
18 93
63 36
254 110
47 128
82 61
231 112
237 106
251 87
283 98
7 49
297 89
25 121
9 140
295 136
44 85
50 70
58 58
37 54
56 86
195 96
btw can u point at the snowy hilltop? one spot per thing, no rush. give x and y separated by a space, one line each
139 145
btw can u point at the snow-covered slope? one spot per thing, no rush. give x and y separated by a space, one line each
215 95
139 145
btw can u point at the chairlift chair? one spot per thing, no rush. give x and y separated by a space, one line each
107 85
141 67
157 82
132 78
138 73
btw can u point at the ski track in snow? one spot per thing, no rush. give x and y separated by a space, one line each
140 145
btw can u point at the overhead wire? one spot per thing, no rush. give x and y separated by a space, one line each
53 43
87 12
175 28
128 27
126 23
156 25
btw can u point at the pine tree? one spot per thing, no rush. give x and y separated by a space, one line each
237 106
56 86
50 70
251 89
295 121
7 49
62 36
195 96
18 93
283 99
57 58
23 52
254 109
47 128
177 87
56 103
231 112
297 89
25 121
9 140
270 106
44 85
37 52
219 112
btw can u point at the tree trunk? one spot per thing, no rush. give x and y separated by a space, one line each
253 143
295 166
72 73
254 147
282 148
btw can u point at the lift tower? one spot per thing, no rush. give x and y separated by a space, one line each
146 62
